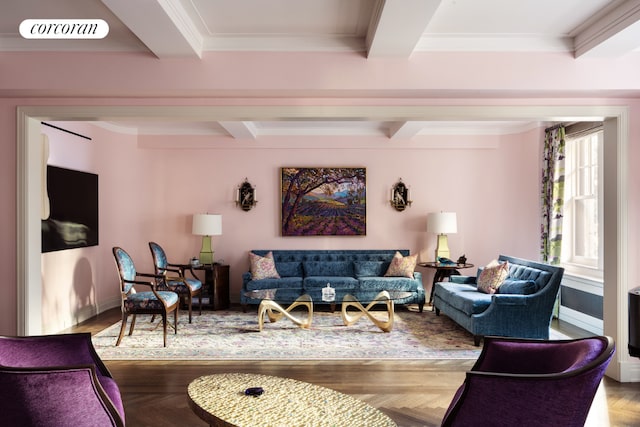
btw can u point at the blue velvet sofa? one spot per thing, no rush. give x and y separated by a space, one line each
522 307
356 272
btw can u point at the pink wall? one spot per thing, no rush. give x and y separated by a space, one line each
500 185
150 194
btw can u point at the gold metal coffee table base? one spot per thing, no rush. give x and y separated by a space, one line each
351 318
276 312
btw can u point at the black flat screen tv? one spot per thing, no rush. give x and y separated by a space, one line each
73 202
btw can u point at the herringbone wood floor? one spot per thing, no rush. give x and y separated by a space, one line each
414 393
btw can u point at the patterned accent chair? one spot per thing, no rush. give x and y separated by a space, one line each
175 279
525 382
147 302
56 380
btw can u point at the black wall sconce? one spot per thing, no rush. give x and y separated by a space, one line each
400 196
246 196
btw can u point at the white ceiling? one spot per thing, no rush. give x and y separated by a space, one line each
374 28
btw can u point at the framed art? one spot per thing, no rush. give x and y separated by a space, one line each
324 201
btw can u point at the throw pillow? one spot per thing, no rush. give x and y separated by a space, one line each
518 287
402 266
492 276
263 267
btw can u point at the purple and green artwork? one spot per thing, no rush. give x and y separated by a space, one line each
324 202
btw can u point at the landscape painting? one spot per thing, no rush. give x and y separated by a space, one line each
324 202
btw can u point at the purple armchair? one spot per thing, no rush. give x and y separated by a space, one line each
56 380
521 382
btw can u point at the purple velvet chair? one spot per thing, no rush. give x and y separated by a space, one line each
56 380
522 382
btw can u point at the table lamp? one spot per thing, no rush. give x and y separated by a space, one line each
206 225
442 223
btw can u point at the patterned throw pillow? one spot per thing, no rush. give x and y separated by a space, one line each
493 275
402 266
263 267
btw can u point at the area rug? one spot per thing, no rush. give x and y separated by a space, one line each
233 335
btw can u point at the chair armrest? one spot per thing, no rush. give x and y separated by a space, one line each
65 395
469 280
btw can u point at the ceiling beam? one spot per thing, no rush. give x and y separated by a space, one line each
397 25
162 25
240 129
614 32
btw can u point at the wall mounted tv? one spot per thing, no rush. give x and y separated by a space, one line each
73 201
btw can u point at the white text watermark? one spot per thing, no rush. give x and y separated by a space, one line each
64 29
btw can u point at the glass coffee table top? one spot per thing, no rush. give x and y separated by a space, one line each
352 307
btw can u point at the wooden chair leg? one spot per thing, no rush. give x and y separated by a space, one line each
133 324
175 321
189 305
164 328
123 326
200 301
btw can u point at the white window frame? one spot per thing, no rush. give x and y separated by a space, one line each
576 265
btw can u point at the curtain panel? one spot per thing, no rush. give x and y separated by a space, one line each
553 170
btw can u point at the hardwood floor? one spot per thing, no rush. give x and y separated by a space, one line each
412 393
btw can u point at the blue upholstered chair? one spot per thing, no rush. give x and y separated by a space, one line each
153 301
523 382
175 278
56 380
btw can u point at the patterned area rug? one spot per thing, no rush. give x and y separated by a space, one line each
233 335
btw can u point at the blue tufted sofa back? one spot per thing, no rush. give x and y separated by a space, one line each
332 255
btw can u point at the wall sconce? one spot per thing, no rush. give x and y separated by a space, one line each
400 196
246 196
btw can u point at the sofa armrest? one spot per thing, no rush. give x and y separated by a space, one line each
246 277
469 280
510 299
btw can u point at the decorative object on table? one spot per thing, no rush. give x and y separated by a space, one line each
195 262
462 259
206 225
442 223
400 196
445 261
324 202
328 293
246 196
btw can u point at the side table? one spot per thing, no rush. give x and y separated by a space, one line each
216 285
443 271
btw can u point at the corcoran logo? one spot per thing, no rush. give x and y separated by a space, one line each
64 29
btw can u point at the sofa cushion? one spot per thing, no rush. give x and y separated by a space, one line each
463 297
519 287
377 284
328 268
402 266
263 267
284 282
492 276
337 282
289 269
370 268
522 272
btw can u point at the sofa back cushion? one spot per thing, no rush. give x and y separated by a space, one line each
328 268
289 269
370 268
521 272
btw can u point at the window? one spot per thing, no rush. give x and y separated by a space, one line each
582 225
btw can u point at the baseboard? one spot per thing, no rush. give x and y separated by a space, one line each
630 371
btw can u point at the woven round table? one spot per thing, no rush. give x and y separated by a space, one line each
220 400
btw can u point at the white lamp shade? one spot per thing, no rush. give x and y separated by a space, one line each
207 225
442 223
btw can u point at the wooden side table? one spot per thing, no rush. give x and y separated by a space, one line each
216 285
443 271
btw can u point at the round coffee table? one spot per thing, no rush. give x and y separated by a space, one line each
220 400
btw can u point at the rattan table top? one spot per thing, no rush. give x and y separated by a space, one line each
220 400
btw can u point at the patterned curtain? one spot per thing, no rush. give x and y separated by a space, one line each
552 195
